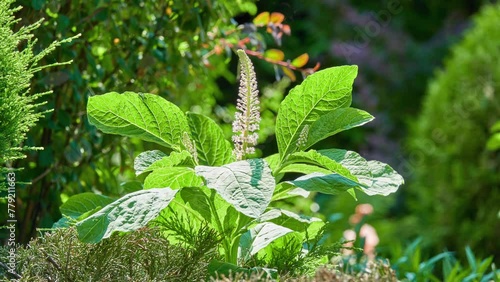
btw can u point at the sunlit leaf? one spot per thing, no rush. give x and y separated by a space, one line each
288 72
276 18
274 54
300 61
261 19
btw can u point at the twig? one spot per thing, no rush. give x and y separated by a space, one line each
10 271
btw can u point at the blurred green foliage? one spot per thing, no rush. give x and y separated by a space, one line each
455 188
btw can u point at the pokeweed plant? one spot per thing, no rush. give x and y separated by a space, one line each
203 179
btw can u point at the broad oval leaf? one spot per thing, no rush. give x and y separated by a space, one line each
173 177
248 185
259 237
145 116
319 94
128 213
334 122
378 178
213 149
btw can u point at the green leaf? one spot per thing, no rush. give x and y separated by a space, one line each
291 220
259 237
494 142
79 204
304 169
285 190
181 159
313 158
335 122
213 149
261 19
377 177
331 184
218 268
300 61
146 159
146 116
319 94
248 185
173 177
128 213
274 54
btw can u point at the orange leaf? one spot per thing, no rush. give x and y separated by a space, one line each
289 73
286 29
261 19
301 60
277 18
274 54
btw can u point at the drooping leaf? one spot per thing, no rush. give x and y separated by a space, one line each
259 237
145 116
248 185
285 190
325 183
146 159
173 177
213 149
291 220
378 178
128 213
261 19
314 158
300 61
274 54
334 122
289 73
79 204
319 94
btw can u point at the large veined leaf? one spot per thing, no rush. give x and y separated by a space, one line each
248 185
128 213
259 237
145 116
325 183
79 204
146 159
378 178
334 122
173 177
319 94
213 149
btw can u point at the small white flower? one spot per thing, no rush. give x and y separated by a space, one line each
247 118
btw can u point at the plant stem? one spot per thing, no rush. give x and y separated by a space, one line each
226 242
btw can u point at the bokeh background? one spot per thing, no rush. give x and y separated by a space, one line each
429 71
